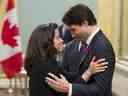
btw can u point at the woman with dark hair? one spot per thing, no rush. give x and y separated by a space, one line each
40 60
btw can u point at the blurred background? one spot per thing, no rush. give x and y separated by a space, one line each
111 16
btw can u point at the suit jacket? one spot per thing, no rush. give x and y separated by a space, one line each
37 84
67 37
75 63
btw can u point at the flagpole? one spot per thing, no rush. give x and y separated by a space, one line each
10 89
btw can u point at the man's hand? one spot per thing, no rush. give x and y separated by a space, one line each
58 84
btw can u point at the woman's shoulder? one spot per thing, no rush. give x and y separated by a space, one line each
50 66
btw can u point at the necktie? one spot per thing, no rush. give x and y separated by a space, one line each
83 51
83 47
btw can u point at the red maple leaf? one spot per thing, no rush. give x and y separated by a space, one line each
8 34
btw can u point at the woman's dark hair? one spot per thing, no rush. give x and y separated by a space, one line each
77 14
40 46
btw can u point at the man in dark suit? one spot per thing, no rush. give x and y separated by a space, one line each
83 25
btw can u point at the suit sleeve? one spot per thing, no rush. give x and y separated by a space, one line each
102 81
79 89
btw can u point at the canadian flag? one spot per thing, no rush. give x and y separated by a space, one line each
10 46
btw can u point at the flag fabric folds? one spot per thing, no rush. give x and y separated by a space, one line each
10 45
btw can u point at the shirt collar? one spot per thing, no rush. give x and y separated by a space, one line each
90 37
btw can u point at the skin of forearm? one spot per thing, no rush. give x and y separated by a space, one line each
86 75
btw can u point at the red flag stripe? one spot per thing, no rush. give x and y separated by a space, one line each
12 65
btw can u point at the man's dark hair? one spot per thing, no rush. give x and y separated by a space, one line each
77 14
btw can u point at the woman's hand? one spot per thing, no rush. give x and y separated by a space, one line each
59 84
95 66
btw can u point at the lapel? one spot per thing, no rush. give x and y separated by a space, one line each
78 56
75 55
86 58
76 52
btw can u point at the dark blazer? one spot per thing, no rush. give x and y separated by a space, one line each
67 37
38 86
75 63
